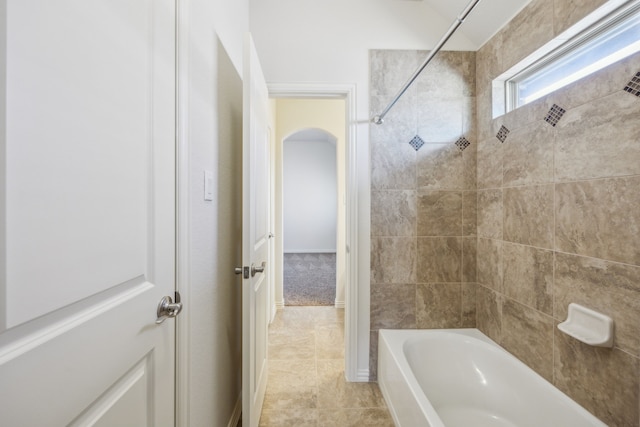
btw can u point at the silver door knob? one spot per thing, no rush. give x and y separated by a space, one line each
238 270
167 308
259 269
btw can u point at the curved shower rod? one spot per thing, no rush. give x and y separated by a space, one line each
379 119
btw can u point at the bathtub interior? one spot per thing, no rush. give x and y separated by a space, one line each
460 377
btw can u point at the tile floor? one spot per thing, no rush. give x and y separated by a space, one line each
306 384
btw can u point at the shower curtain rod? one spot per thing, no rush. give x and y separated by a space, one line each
379 119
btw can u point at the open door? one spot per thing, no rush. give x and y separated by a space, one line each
255 236
87 212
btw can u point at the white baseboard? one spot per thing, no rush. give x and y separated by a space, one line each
339 304
363 376
280 305
237 412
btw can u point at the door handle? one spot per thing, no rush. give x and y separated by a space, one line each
245 270
167 308
259 269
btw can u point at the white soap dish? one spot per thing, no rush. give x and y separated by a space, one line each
588 326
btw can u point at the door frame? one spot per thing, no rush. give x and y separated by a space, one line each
352 290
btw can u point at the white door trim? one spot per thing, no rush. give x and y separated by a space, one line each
352 290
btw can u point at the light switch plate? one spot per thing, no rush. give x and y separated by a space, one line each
208 185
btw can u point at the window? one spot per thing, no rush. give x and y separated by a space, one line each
611 39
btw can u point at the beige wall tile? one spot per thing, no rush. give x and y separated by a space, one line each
469 122
490 213
489 265
440 119
439 305
439 213
469 259
489 313
469 213
597 218
439 259
373 356
451 73
489 62
393 259
604 381
484 111
440 167
528 276
469 298
393 213
527 31
440 108
569 12
490 157
610 288
528 334
393 306
600 218
401 122
595 151
388 69
528 114
528 155
393 165
528 215
470 165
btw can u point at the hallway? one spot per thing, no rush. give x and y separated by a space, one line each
306 377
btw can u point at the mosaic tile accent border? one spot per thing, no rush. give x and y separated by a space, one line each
502 133
633 87
462 143
554 115
416 142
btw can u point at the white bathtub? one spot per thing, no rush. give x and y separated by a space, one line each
461 378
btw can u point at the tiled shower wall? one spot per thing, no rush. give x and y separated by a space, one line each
559 217
423 200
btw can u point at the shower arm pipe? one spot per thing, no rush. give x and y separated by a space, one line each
379 119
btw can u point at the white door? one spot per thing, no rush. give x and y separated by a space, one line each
255 236
87 239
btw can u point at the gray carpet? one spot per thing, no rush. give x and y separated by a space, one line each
310 279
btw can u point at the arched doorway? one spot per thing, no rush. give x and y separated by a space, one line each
310 218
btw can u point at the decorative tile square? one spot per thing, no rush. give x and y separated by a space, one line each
416 142
462 143
633 87
502 133
555 114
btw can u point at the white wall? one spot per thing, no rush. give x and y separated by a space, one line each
210 135
310 196
294 46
